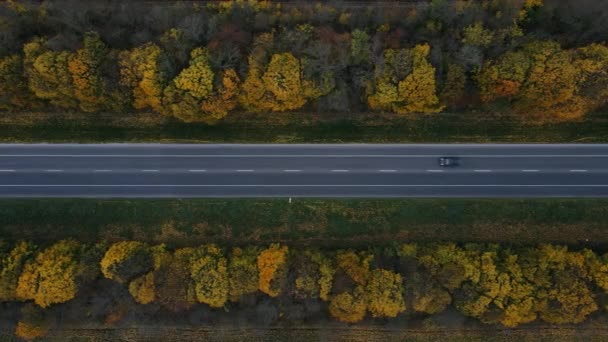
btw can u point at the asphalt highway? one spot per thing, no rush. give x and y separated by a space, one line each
346 170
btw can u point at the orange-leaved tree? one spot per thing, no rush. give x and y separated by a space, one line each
273 267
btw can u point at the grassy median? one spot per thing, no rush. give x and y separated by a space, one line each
309 221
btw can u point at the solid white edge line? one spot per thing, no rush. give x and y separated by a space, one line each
307 155
316 185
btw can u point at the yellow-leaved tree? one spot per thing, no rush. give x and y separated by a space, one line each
12 261
405 82
197 94
144 70
355 264
54 276
384 292
349 307
142 288
275 80
126 260
209 271
544 83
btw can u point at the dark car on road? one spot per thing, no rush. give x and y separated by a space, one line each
448 161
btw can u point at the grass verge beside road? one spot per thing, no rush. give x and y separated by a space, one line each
315 222
297 128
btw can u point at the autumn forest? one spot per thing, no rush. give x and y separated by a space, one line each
200 62
230 71
491 283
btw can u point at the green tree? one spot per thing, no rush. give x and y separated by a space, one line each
592 63
314 275
53 276
453 89
174 288
360 48
243 272
477 35
48 74
429 297
14 92
209 271
126 260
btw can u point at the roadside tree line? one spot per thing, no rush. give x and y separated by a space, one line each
487 57
491 283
